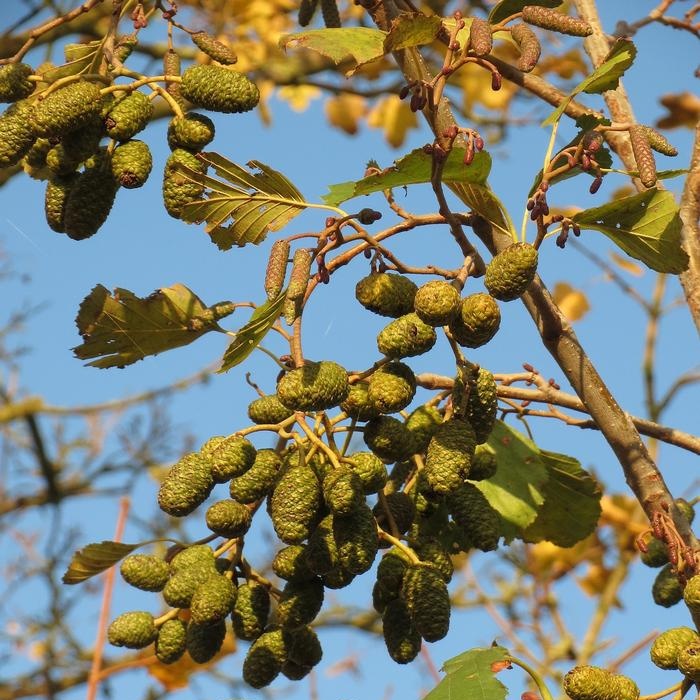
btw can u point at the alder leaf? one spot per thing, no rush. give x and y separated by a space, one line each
516 490
506 8
358 45
255 202
572 302
472 676
572 503
121 328
412 169
411 29
482 200
95 558
251 335
80 59
605 77
647 226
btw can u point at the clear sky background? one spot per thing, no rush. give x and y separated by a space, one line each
142 248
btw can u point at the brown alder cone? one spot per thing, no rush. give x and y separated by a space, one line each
331 16
529 46
171 66
555 21
276 268
643 155
307 8
480 37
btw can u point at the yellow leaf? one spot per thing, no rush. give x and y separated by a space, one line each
566 65
476 87
627 264
394 116
266 88
345 111
572 302
298 97
683 110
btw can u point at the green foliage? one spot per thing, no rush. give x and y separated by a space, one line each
471 676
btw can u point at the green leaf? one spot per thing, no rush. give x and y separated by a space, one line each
255 203
414 168
572 503
122 328
506 8
517 489
95 558
605 77
81 58
359 45
251 335
470 676
482 201
411 29
647 226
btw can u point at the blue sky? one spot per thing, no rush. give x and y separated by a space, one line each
142 248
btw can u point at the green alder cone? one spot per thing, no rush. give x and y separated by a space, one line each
134 630
402 510
389 439
303 647
689 661
214 48
199 555
213 600
75 148
219 89
342 490
474 397
171 642
478 321
258 480
669 644
294 671
186 486
357 405
314 387
181 587
322 549
203 642
370 469
473 513
146 572
299 603
656 554
449 454
691 594
386 294
484 464
594 683
67 109
337 578
16 134
427 600
510 272
250 611
228 457
192 131
666 590
268 409
399 474
356 539
403 641
178 190
228 518
34 162
406 336
436 302
295 504
290 564
58 190
431 551
89 201
264 659
392 387
390 572
128 116
132 164
14 85
422 424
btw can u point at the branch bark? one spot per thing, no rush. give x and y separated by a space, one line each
641 473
